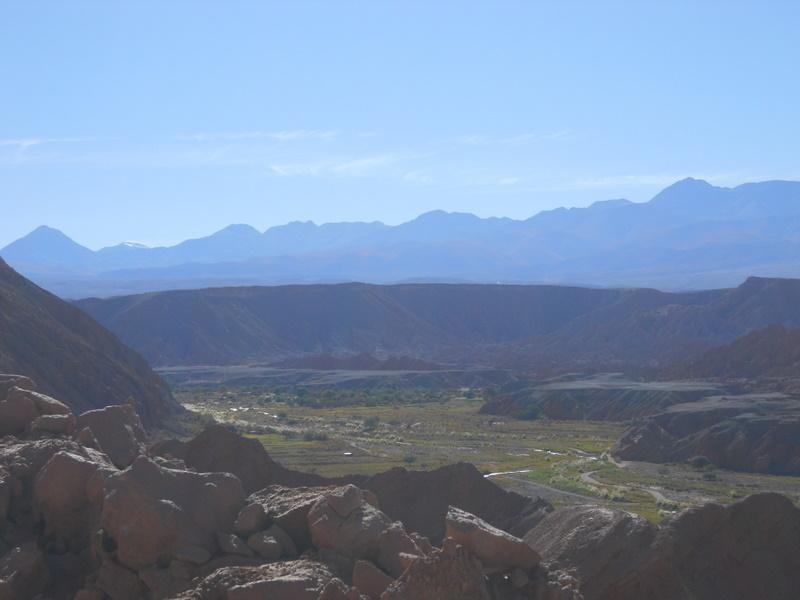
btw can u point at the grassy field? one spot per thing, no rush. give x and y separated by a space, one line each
563 461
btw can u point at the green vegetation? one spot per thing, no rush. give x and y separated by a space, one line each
563 461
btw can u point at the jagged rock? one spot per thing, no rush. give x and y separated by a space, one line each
5 496
288 508
117 431
23 409
170 463
336 589
344 500
495 548
340 564
251 518
22 461
420 499
66 495
17 412
89 594
448 574
370 580
393 543
284 539
423 543
191 554
45 405
23 573
150 511
265 545
163 583
119 583
287 587
8 381
55 424
230 543
750 549
85 437
292 580
603 544
355 534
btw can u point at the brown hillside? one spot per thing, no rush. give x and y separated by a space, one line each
70 355
773 351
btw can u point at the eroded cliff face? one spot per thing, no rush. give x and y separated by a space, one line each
756 433
71 356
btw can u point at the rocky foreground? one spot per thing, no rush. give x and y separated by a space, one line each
89 511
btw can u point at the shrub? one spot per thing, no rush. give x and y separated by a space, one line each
530 413
370 423
700 462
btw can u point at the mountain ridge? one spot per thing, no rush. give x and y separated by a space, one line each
529 327
691 235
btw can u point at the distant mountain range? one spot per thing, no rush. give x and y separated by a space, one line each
72 357
547 329
692 235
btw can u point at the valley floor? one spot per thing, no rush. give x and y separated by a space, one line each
565 462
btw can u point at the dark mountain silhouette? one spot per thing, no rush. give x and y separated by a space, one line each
692 235
547 328
70 355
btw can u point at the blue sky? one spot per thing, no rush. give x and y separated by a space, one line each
159 121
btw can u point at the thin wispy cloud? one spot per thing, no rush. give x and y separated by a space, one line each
325 135
348 167
418 177
30 142
518 139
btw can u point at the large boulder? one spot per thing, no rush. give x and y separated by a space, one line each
495 548
23 573
117 431
292 580
601 544
21 407
421 499
343 521
370 580
394 548
20 464
150 512
68 495
17 412
8 381
54 424
289 507
448 574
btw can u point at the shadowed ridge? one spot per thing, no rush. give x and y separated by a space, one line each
71 356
